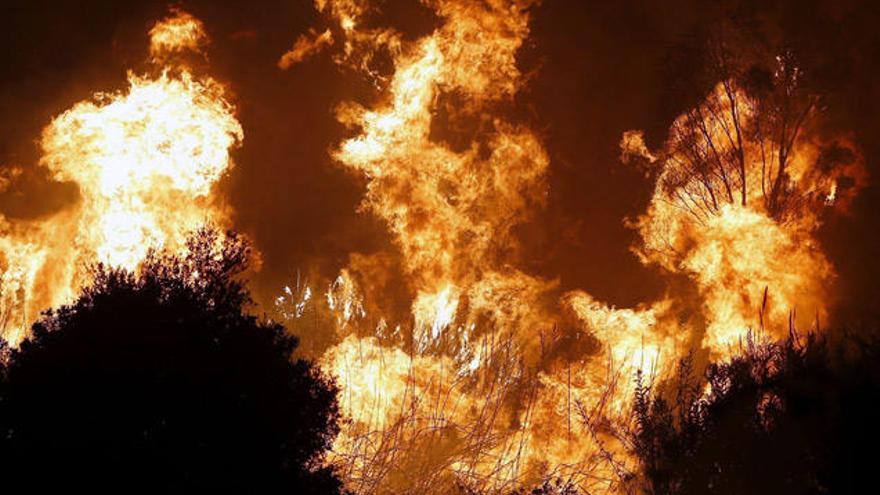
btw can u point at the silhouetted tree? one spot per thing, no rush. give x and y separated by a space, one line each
796 417
741 136
160 381
738 145
549 486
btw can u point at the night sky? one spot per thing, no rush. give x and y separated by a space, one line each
595 70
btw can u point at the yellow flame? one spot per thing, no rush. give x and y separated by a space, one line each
145 161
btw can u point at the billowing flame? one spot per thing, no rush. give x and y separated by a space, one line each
144 159
468 382
164 142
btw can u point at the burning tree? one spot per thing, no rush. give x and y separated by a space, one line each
742 184
738 146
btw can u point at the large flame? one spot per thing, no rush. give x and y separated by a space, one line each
144 159
468 388
496 380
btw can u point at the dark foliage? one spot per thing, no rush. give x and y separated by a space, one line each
550 486
160 382
554 487
795 417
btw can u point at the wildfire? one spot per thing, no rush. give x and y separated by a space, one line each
507 380
487 377
475 338
144 159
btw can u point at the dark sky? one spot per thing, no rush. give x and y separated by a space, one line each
598 68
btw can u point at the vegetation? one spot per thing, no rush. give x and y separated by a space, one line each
160 382
794 417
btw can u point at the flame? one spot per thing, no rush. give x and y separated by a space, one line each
180 32
164 142
145 161
459 391
344 299
304 47
436 311
635 340
744 259
450 212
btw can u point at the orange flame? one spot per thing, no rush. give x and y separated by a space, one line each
180 32
450 393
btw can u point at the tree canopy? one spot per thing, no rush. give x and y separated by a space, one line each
161 381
